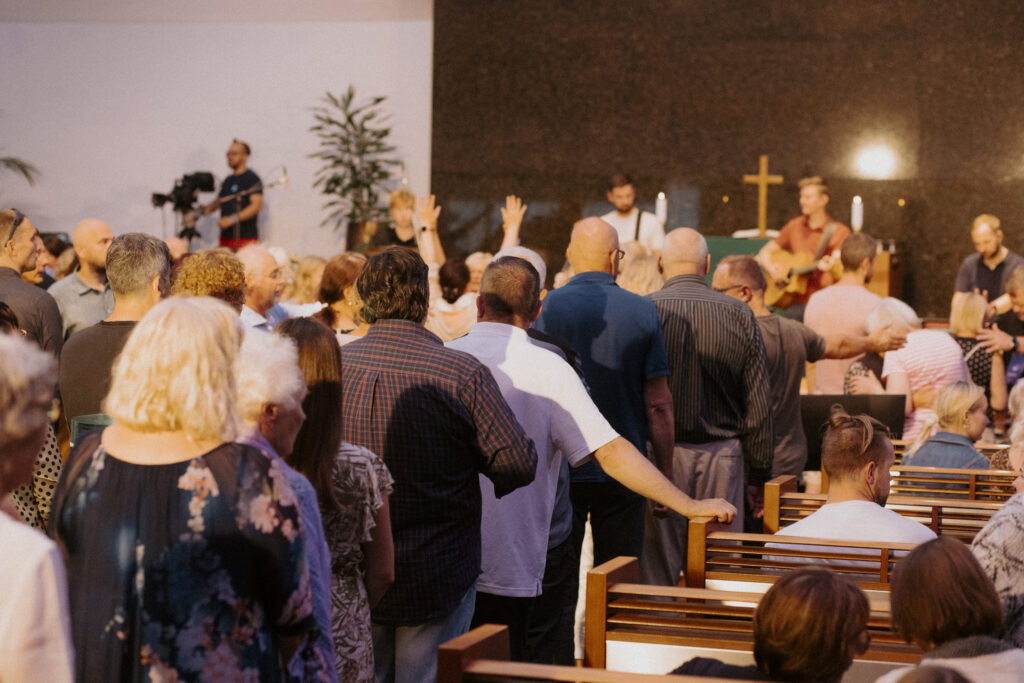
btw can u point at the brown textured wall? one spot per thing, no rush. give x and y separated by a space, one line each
545 99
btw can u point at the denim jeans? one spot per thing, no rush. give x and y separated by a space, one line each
408 653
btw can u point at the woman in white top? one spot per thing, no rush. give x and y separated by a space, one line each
35 634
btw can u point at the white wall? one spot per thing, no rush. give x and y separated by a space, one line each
111 112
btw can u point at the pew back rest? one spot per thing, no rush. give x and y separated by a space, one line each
734 561
635 627
482 655
961 518
947 482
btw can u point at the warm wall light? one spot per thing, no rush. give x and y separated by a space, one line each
876 161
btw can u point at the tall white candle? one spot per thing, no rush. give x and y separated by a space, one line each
857 214
661 208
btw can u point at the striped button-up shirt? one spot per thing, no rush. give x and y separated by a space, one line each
718 377
438 420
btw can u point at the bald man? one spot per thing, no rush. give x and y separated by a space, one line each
264 281
720 394
84 297
177 248
618 338
988 269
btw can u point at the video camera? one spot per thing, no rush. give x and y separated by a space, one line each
186 190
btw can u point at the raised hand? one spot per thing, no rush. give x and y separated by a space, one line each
512 214
428 211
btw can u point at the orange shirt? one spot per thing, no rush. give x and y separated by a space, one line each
798 237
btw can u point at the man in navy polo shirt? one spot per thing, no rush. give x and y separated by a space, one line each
618 337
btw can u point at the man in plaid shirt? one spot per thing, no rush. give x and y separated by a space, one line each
438 419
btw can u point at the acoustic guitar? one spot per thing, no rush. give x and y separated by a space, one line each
799 268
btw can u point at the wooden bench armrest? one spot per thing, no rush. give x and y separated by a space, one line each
774 490
618 570
489 641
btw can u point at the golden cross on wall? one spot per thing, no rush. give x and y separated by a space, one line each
762 180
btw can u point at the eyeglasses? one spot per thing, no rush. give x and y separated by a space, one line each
619 254
19 218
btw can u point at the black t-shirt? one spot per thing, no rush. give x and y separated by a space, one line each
232 185
990 281
85 366
387 237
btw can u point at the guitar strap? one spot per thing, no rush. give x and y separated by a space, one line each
636 229
826 237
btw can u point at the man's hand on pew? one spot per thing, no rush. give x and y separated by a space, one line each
719 508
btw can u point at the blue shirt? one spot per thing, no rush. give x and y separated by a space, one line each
618 337
948 450
317 554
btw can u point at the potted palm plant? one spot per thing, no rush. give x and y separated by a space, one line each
357 162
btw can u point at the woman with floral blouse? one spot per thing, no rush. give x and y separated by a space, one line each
185 559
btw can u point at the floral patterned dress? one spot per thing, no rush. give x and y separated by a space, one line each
184 571
361 483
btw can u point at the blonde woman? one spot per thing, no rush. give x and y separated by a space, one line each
185 557
961 414
305 285
966 319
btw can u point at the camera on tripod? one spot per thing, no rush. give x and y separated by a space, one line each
186 190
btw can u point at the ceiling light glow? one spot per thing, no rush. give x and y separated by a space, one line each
876 161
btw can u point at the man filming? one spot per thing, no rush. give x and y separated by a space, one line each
240 200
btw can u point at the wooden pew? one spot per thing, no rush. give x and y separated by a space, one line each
641 628
724 560
900 446
961 518
482 655
949 482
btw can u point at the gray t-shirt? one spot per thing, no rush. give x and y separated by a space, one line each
788 345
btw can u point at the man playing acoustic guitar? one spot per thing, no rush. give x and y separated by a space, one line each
805 256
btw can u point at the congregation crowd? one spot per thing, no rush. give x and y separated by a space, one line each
241 465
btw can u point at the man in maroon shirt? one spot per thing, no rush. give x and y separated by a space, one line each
802 236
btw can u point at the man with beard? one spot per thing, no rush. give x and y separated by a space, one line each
240 200
632 224
84 297
803 236
987 271
857 454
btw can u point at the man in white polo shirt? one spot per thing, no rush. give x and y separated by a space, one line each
856 453
553 407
